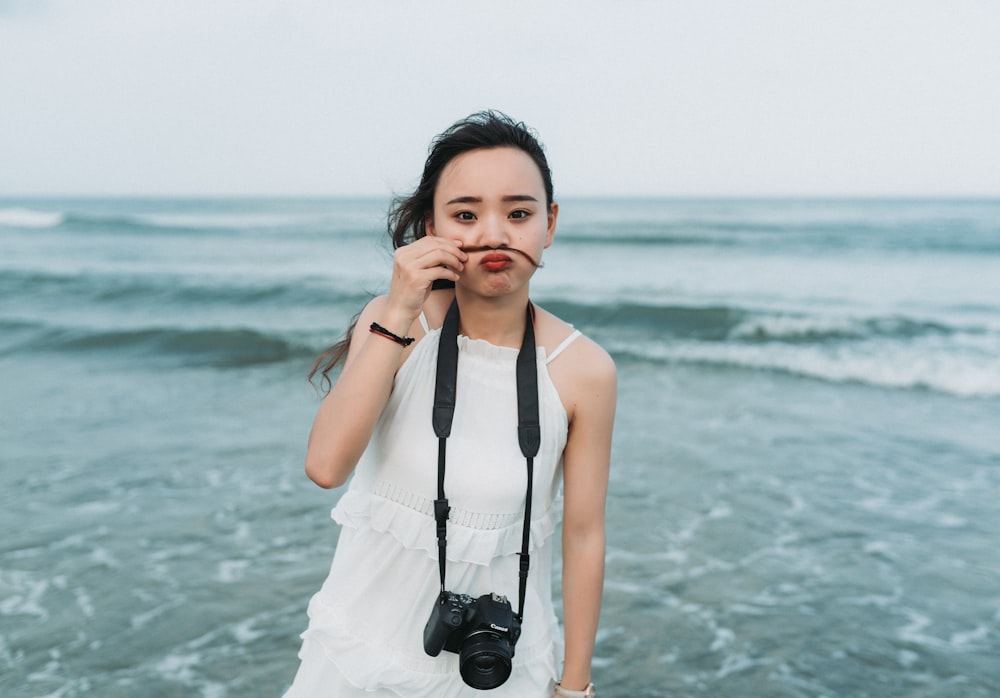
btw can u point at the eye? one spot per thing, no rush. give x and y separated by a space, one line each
465 216
519 214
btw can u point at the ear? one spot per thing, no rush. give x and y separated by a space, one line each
551 232
429 224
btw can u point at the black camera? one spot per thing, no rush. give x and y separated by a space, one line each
481 631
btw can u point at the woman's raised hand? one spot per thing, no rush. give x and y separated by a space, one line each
415 268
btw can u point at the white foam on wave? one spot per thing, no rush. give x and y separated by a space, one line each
719 511
723 638
179 667
69 688
239 221
244 633
913 631
740 662
791 327
188 669
22 594
232 570
6 655
99 507
104 557
84 602
962 366
28 218
971 638
880 548
140 620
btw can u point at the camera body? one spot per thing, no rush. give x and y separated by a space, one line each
482 631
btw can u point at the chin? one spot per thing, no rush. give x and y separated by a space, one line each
495 287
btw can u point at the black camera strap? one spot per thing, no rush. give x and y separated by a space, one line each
529 432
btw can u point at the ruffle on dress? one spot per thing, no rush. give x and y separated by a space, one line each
372 666
366 638
473 537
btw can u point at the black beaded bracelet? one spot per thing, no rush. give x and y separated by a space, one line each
379 330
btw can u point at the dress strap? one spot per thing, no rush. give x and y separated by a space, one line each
565 343
423 322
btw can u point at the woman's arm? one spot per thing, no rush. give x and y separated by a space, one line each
347 416
586 467
346 419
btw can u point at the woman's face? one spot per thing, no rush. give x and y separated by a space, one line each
493 202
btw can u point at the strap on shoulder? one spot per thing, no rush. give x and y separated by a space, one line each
562 345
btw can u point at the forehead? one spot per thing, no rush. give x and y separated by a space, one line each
490 171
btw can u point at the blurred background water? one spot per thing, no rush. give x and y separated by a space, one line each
806 463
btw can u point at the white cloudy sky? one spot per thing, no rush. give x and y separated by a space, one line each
793 97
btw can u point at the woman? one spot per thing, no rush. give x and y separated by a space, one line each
477 224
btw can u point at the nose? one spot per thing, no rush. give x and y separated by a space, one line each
493 231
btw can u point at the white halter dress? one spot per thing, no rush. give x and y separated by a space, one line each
365 634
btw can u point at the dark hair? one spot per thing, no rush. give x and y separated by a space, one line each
485 129
408 215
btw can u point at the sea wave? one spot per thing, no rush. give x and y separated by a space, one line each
935 235
217 347
88 222
30 218
950 355
811 329
361 221
740 325
891 351
943 368
135 223
180 291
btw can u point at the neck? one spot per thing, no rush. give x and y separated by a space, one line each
499 321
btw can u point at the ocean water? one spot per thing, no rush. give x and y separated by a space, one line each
806 469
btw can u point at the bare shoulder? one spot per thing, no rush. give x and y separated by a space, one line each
589 361
584 353
584 373
375 306
370 313
374 311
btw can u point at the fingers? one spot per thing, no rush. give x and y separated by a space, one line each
431 258
418 265
442 254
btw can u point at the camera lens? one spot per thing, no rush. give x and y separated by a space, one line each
484 660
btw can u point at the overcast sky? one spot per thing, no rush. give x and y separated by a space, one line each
635 97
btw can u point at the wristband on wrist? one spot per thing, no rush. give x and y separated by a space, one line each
382 332
588 692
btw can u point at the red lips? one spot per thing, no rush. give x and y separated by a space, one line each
495 261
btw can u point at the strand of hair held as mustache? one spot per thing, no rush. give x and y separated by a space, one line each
537 264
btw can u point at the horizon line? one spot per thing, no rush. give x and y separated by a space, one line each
10 197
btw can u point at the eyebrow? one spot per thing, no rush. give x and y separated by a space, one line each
479 199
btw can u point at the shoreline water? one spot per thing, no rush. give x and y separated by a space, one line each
772 530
